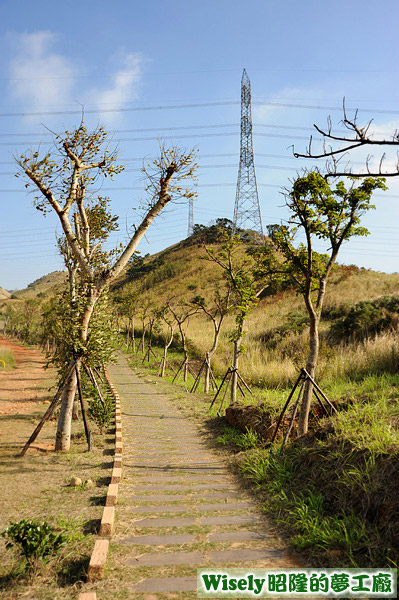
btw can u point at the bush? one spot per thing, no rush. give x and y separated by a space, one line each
367 318
35 540
101 413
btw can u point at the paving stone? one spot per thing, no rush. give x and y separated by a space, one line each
188 479
159 498
218 495
166 584
225 506
167 558
161 540
238 536
160 508
229 519
245 555
180 486
164 522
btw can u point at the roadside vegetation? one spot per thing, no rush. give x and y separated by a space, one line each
7 358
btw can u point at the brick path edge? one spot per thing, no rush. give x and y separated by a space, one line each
99 554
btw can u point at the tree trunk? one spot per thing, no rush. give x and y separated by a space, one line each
207 373
63 435
142 340
234 378
132 334
163 363
303 419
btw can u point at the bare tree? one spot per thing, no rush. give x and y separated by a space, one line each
65 178
337 149
216 311
182 313
167 317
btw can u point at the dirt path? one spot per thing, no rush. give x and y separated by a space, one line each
26 385
179 507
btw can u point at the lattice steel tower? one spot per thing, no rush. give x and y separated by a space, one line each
247 208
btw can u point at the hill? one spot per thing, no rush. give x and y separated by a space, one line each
276 340
45 285
4 294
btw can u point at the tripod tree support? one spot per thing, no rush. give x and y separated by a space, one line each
185 368
90 373
303 377
229 375
147 354
205 364
83 408
50 409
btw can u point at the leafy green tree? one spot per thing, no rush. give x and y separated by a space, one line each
238 274
66 178
318 212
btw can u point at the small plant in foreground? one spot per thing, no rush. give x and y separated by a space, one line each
34 540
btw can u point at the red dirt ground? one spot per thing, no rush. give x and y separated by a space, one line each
25 387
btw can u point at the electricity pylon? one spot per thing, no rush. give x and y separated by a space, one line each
247 208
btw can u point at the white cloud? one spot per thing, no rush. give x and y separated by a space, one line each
40 77
123 86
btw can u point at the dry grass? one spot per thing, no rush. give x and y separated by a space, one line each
36 486
184 273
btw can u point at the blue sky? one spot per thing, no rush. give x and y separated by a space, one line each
172 70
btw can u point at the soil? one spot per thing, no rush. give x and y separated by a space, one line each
26 386
37 485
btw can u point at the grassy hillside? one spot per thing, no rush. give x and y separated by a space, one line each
48 284
4 294
276 339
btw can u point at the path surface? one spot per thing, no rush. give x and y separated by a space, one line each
24 387
179 506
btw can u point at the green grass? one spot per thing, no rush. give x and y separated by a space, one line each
324 507
7 359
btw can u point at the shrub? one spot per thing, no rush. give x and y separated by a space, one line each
101 413
367 318
35 540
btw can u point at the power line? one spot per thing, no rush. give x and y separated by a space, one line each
188 105
176 128
199 186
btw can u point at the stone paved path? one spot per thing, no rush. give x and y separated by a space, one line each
179 507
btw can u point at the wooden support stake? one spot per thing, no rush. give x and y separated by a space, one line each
49 411
83 408
287 433
225 392
320 391
91 376
219 388
301 375
197 379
